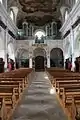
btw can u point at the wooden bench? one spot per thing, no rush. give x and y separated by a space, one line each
61 85
16 80
2 109
21 73
12 85
16 85
68 91
67 85
64 79
75 105
8 94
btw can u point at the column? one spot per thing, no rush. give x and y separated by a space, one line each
19 60
48 57
48 61
30 62
32 30
52 29
5 47
72 39
46 30
26 29
72 45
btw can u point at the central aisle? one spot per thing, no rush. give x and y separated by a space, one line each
37 102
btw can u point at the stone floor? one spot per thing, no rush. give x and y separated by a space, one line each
37 103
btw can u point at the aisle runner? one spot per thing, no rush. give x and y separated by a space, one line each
38 103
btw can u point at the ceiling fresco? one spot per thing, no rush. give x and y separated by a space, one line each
38 12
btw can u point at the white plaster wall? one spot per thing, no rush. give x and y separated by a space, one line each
23 54
39 52
2 44
77 41
28 45
55 44
22 44
67 47
5 38
73 16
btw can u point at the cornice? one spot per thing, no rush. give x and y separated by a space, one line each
8 19
72 18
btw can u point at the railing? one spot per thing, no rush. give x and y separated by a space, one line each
25 38
21 36
33 38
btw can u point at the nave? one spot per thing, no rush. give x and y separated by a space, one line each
37 103
29 95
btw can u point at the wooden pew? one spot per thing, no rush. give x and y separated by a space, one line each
68 91
75 107
21 73
8 94
12 85
3 115
17 80
61 85
68 85
57 72
16 85
56 81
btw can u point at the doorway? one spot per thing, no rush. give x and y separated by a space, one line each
39 63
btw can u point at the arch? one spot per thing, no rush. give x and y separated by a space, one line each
22 53
22 57
13 12
39 52
65 10
56 57
39 33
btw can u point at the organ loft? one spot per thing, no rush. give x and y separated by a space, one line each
39 59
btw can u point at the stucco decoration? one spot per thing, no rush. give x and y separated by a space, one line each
23 54
39 52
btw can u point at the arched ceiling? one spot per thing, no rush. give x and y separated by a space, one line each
38 12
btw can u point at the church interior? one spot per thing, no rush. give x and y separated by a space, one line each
39 59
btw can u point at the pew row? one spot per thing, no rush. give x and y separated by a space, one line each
67 85
12 85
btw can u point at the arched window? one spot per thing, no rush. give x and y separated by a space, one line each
39 34
76 1
1 1
66 15
12 15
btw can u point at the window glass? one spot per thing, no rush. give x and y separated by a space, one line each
0 1
76 1
39 34
12 15
66 15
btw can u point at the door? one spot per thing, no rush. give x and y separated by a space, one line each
39 63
